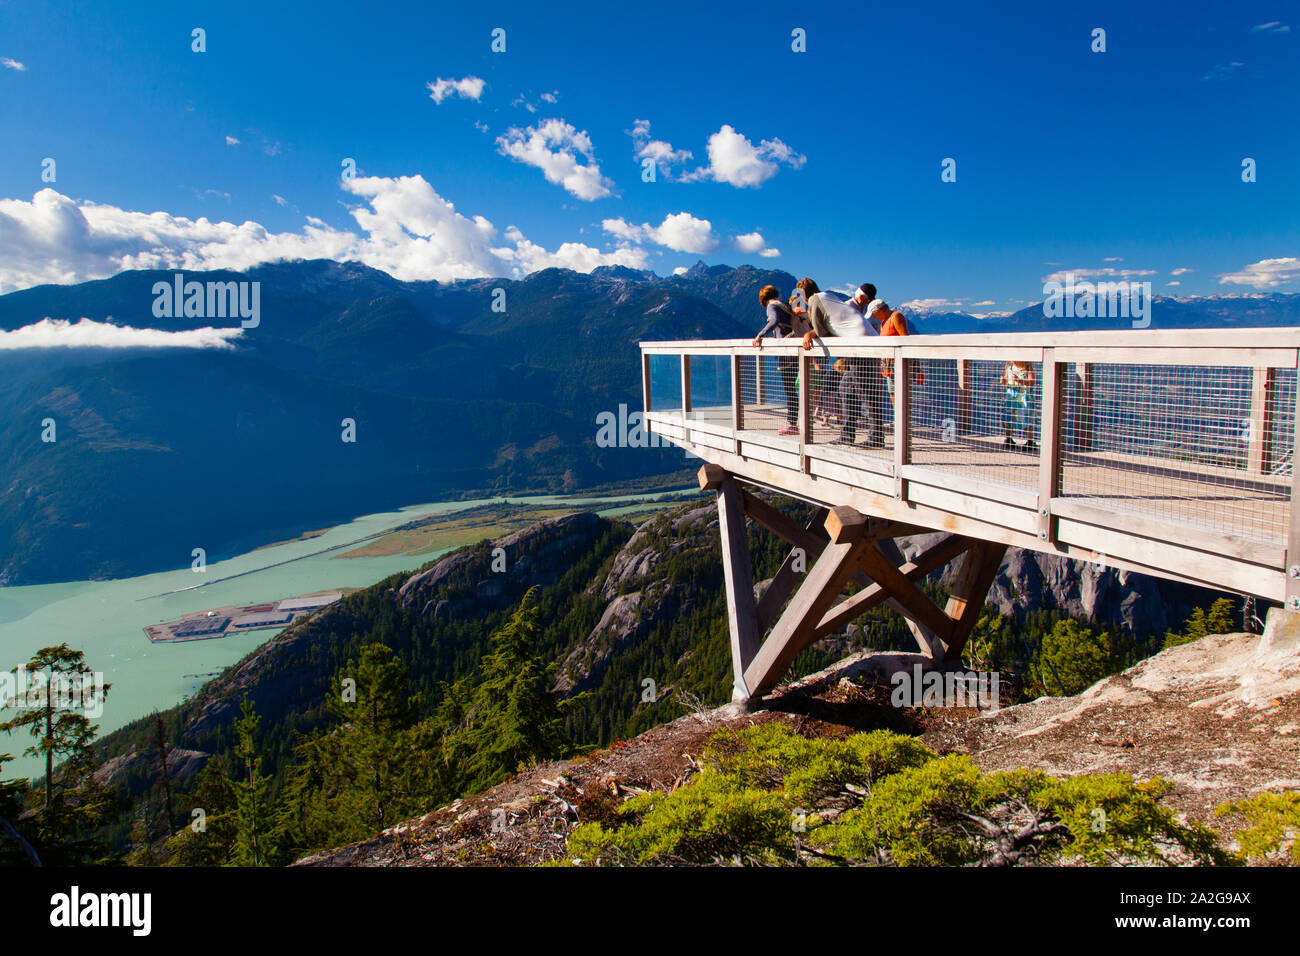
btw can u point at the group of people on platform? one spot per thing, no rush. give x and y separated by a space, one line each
852 389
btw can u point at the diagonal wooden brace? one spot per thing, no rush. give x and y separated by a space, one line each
792 569
969 591
834 567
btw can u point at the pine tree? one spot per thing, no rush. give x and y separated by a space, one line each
1076 657
209 838
509 717
1217 620
61 733
253 816
61 691
15 846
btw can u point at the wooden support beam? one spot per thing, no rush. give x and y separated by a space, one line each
792 570
1049 462
785 527
686 387
930 560
902 421
969 591
742 611
825 580
964 369
927 641
919 607
711 477
737 401
1263 402
1085 383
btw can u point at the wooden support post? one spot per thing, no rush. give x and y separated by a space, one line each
686 388
969 591
758 377
1085 383
902 421
645 383
1292 564
742 612
847 529
1049 461
805 407
963 397
737 401
1263 402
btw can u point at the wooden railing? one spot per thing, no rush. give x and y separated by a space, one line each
1166 452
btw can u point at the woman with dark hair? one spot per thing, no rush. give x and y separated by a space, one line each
781 323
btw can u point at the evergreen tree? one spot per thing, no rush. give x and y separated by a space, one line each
508 717
209 839
58 685
1075 657
1217 620
15 846
253 816
61 691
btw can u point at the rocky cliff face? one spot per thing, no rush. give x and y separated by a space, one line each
637 595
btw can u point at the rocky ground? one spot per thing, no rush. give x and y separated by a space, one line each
1219 718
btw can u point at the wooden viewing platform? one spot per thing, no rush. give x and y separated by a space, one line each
1167 453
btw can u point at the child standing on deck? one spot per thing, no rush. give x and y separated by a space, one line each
1017 381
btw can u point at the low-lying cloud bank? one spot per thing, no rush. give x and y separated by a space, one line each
406 230
61 333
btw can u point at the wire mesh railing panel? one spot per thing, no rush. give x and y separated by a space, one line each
978 418
769 393
852 405
665 383
1195 446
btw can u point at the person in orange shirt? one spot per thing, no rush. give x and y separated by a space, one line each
892 322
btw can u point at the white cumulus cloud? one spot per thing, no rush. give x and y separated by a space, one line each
469 88
554 147
60 333
13 64
753 243
670 162
679 231
1265 274
406 229
735 160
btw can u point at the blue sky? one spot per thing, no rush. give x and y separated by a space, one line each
1128 160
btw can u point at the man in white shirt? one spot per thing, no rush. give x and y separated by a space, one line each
861 384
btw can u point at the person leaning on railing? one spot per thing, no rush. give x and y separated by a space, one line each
831 318
782 323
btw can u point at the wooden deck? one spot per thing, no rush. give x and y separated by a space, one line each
1203 522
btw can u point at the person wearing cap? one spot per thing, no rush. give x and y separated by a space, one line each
861 385
891 322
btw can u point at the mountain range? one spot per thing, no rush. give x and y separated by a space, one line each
488 386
